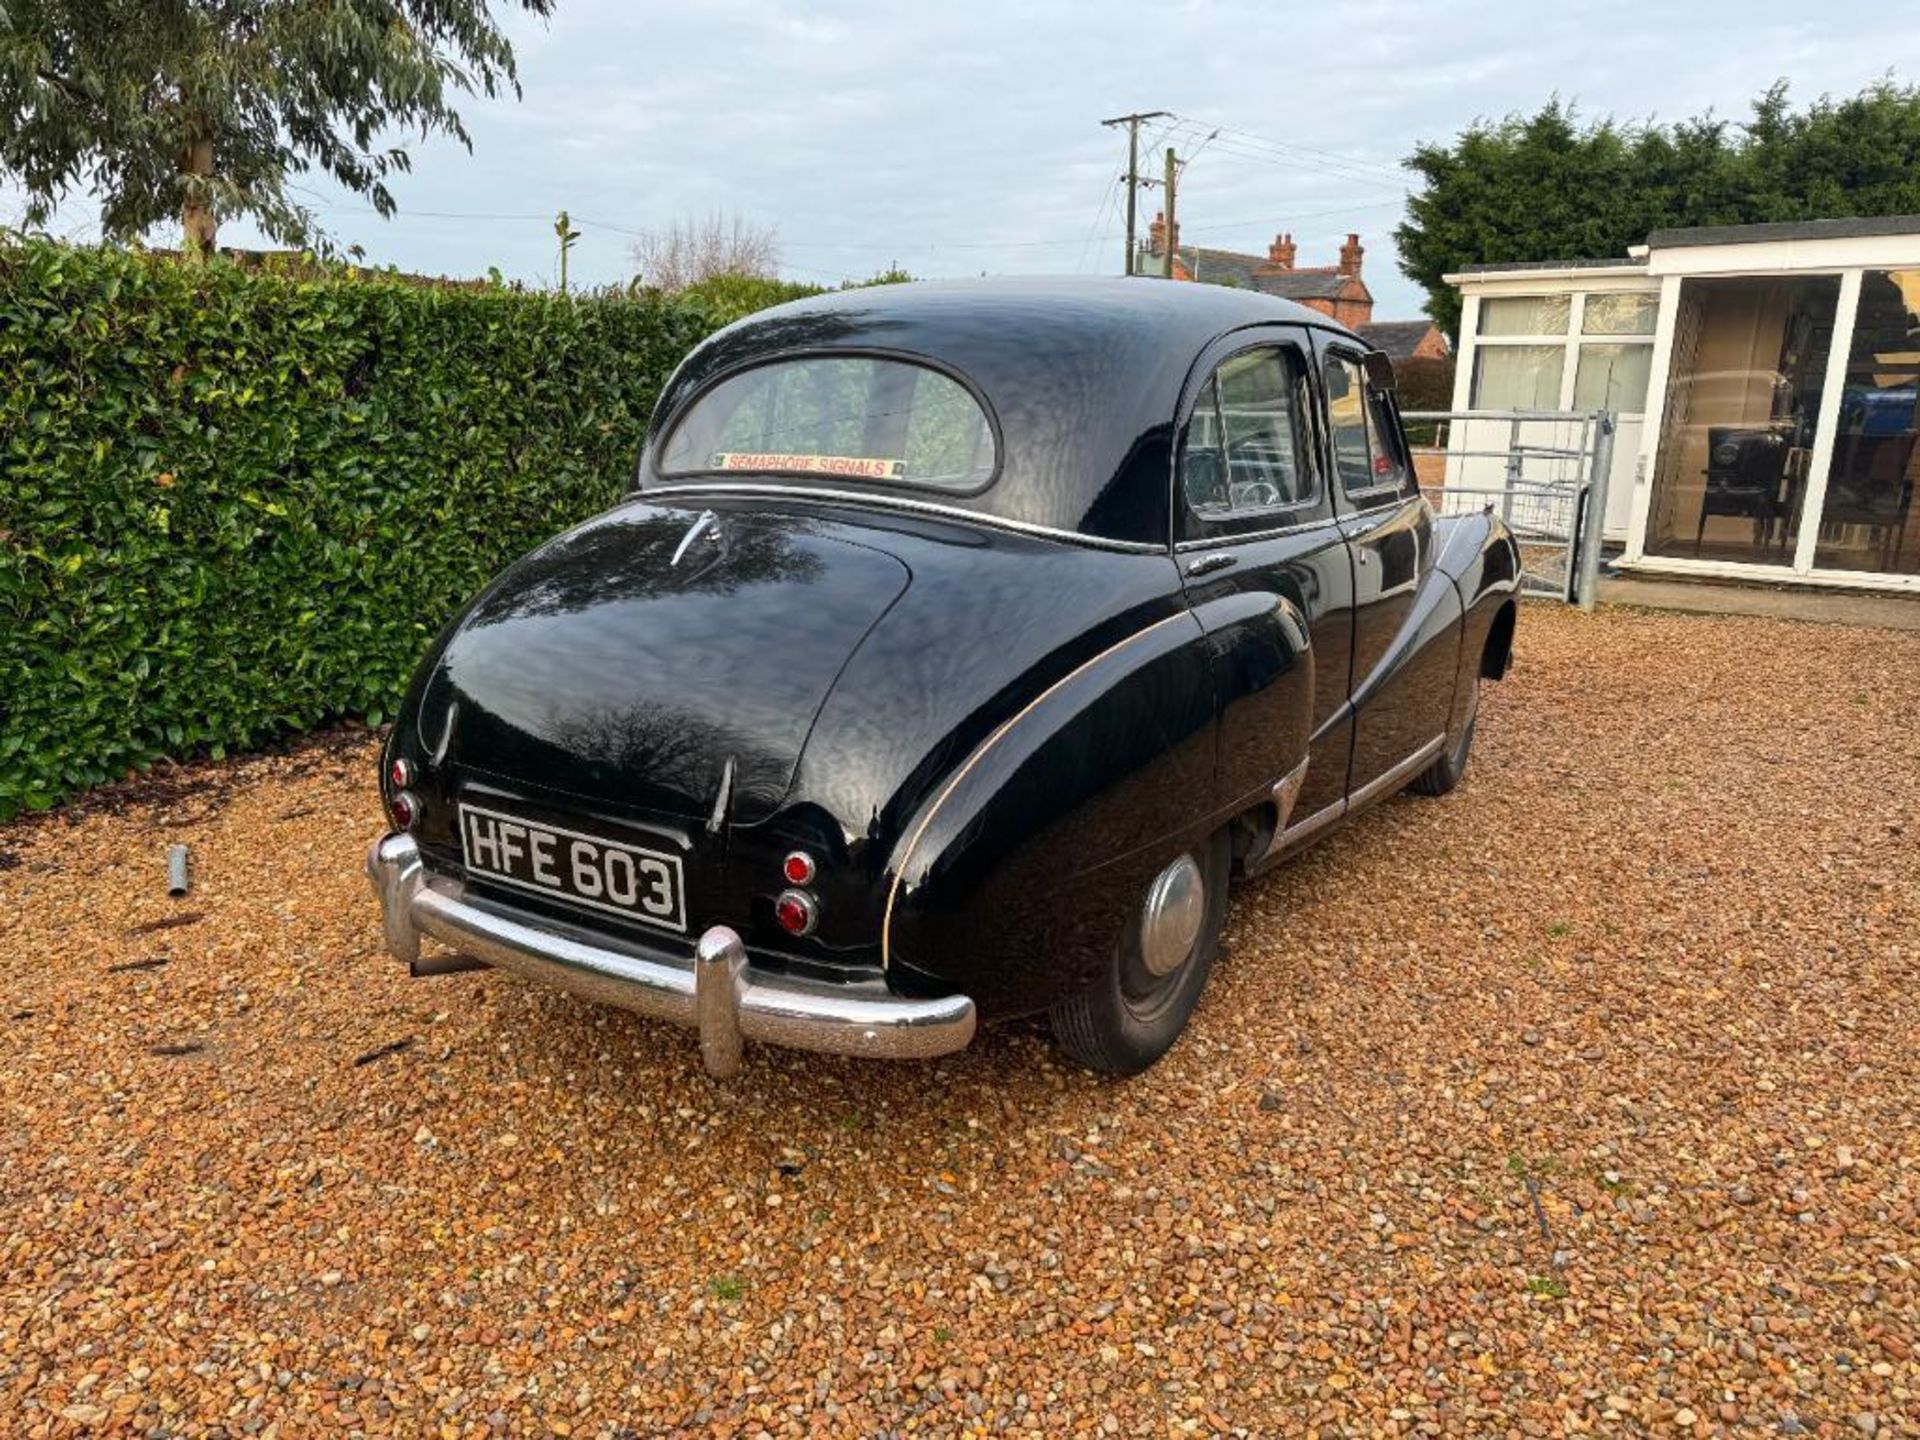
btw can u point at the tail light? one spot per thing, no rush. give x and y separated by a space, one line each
404 807
796 912
400 774
799 868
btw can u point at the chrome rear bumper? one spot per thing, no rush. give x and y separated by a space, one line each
718 994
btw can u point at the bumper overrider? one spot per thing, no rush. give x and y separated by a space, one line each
718 994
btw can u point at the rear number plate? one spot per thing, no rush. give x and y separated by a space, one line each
590 870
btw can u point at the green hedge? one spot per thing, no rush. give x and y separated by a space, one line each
1424 384
234 503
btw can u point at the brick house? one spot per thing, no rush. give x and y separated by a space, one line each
1404 340
1337 291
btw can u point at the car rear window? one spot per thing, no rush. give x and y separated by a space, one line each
841 417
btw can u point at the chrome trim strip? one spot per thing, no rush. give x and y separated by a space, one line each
1392 779
913 507
1286 790
979 754
1395 498
438 757
717 820
1377 788
1214 542
718 994
702 523
1302 831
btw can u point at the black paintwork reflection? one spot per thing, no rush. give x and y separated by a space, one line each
607 671
1406 616
984 628
1010 883
626 553
1293 614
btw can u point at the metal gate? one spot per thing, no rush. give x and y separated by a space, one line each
1544 472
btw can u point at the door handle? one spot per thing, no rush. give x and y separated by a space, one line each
1208 564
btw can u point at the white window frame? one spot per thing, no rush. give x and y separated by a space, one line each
1571 342
1849 258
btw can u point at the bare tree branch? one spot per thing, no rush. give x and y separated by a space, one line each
689 251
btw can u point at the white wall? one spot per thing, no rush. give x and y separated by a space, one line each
1480 472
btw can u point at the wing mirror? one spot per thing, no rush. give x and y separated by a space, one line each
1379 370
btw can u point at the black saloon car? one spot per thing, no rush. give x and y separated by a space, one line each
956 645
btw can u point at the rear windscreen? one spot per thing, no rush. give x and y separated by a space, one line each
846 417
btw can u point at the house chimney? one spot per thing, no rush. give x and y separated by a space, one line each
1157 234
1350 255
1282 251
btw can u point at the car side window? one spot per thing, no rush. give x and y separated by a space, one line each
1247 444
1347 421
1203 470
1366 442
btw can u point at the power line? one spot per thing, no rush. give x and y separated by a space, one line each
1296 165
1290 218
896 247
1290 145
1288 148
1193 155
1109 198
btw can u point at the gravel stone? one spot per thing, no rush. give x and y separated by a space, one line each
1356 1199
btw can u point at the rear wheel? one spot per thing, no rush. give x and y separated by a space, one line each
1446 772
1137 1006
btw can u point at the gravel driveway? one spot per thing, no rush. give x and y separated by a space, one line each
1585 1098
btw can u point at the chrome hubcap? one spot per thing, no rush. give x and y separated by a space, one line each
1176 908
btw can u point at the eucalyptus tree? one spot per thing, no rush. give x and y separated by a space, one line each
203 110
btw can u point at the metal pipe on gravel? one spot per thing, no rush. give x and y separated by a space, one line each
176 871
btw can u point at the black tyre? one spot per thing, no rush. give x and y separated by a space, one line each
1446 772
1136 1008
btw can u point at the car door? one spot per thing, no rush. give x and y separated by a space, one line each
1266 569
1405 614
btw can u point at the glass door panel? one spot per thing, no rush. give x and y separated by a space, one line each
1865 519
1743 398
1613 377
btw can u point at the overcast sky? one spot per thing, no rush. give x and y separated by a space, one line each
956 138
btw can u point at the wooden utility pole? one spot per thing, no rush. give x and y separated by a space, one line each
1173 233
1132 122
563 227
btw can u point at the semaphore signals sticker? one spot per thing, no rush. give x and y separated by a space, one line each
861 467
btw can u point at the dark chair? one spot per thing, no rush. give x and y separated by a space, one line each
1873 486
1744 469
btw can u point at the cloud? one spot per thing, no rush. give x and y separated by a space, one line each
960 138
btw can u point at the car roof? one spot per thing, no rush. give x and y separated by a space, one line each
1083 377
1172 308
